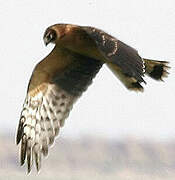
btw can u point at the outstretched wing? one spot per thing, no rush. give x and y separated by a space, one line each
122 59
56 83
42 116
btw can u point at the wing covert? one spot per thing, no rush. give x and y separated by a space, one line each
118 53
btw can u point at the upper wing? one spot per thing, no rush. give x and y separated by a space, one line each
121 58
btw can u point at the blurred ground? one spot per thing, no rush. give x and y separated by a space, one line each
89 158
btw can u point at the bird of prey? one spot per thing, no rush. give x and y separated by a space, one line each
60 79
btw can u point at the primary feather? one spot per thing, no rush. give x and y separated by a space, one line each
41 119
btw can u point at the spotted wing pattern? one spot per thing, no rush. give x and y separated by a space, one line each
40 122
127 59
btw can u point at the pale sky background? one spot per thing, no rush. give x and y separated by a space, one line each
107 109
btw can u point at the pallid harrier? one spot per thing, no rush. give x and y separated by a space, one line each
60 78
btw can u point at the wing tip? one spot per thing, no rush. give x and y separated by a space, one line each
23 150
136 86
29 155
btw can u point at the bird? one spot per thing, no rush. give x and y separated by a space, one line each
61 77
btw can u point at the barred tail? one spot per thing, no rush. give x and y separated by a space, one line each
156 69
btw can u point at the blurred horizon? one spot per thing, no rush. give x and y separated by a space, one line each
99 158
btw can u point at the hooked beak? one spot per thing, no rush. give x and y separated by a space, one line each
46 41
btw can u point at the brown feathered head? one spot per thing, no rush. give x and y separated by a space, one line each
55 33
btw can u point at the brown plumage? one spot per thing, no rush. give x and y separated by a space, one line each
59 79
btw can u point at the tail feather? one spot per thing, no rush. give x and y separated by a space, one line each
156 69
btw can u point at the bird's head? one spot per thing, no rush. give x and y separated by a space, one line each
56 33
50 36
74 38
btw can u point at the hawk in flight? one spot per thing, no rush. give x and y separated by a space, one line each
60 79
